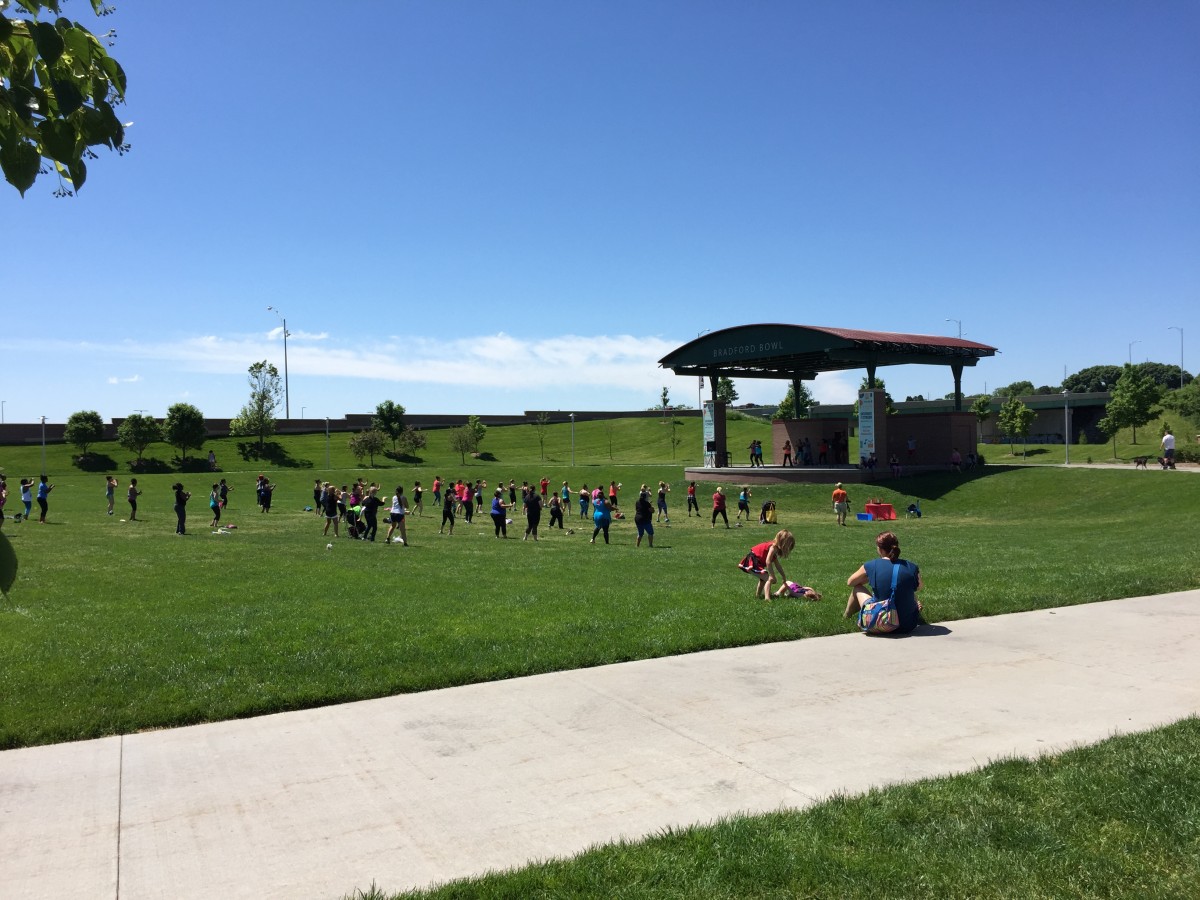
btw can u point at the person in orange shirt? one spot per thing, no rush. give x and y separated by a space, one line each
841 503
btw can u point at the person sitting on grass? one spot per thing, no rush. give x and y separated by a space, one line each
874 579
765 556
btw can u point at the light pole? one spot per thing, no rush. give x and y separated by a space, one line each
1131 343
572 440
43 445
302 409
287 408
2 402
327 442
957 322
1169 328
1067 426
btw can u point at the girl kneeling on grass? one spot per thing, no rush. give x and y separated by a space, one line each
762 557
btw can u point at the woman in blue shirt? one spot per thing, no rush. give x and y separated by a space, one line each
874 579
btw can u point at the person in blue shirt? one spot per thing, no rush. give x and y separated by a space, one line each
874 579
601 517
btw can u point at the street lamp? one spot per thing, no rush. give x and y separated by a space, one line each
957 322
1131 343
572 440
302 409
1067 426
287 408
1169 328
327 442
43 445
2 402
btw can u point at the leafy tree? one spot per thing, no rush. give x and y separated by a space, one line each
676 437
411 440
461 441
389 418
1185 402
367 444
138 432
1016 389
726 392
83 429
664 402
540 425
257 418
58 87
1092 380
1133 401
184 427
478 432
789 408
917 398
982 408
1015 420
1162 374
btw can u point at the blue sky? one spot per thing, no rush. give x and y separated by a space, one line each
482 207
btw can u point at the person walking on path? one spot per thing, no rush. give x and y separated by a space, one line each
841 503
1168 449
718 500
181 499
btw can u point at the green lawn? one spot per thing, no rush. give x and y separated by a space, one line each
1120 820
118 626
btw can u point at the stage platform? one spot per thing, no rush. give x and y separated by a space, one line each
798 474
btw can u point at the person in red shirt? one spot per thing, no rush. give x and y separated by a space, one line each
765 556
545 485
719 508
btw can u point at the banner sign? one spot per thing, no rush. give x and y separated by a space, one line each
710 434
866 424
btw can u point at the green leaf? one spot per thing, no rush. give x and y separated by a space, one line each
49 42
20 163
77 41
67 95
58 140
8 565
78 172
115 74
6 28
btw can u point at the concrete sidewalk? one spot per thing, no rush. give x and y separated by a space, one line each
427 787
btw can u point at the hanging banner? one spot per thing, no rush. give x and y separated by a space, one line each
710 435
866 424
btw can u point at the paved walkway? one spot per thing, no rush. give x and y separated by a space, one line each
426 787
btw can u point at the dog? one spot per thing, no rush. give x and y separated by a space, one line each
1139 462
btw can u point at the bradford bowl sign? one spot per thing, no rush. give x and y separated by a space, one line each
741 350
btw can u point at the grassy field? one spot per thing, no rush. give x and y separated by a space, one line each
116 626
1118 820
